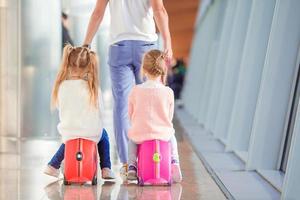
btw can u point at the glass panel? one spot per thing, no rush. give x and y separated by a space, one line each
9 69
291 124
41 51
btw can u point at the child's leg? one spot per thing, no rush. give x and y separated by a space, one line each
175 167
104 154
103 150
174 150
53 166
58 157
132 151
132 169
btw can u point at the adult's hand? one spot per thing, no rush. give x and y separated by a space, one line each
168 53
162 22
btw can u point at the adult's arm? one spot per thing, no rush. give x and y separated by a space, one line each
162 21
95 21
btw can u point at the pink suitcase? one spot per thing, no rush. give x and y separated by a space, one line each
154 163
80 161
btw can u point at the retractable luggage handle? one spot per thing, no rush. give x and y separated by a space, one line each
157 159
79 156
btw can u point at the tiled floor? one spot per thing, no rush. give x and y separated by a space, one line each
21 175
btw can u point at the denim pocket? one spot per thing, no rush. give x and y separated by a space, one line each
118 45
118 55
148 44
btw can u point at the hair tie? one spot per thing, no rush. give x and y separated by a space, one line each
86 77
157 60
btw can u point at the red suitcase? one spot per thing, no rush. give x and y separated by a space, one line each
80 162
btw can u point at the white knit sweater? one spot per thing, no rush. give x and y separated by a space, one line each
78 118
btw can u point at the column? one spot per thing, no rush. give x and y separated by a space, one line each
250 74
268 131
232 66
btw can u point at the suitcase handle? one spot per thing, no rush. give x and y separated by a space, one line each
79 156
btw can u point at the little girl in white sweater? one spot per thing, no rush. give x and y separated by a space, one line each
77 97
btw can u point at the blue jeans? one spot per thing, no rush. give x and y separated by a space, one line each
125 59
103 151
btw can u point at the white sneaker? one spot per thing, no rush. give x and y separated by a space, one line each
51 171
176 173
124 172
107 173
132 173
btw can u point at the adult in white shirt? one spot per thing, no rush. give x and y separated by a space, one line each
132 33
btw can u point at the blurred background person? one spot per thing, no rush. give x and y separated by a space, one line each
66 38
176 77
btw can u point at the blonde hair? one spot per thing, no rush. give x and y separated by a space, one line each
78 59
154 65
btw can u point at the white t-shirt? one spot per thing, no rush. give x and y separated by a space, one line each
78 118
131 20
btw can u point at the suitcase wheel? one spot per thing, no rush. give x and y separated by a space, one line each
94 181
66 182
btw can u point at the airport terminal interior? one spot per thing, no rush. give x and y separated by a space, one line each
235 76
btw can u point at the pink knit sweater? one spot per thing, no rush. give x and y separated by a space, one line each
151 109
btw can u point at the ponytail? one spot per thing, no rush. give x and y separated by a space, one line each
154 65
78 58
62 74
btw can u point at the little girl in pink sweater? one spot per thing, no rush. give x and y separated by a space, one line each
151 109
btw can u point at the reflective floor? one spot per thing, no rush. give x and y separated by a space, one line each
21 177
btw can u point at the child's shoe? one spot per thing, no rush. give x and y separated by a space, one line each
124 171
107 173
51 171
132 173
176 171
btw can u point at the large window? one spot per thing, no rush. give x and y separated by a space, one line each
291 121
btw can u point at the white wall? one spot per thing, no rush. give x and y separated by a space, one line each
9 69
